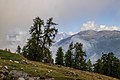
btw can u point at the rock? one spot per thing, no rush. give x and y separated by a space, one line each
36 78
21 78
2 76
35 70
77 75
25 62
59 66
16 73
42 78
30 78
99 77
50 79
71 73
1 66
33 78
50 71
10 60
4 72
21 68
5 67
16 61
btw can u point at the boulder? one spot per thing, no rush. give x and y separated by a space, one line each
4 72
16 61
16 73
6 67
11 60
26 62
30 78
21 78
71 73
50 79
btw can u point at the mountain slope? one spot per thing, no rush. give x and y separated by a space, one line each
94 43
61 36
17 66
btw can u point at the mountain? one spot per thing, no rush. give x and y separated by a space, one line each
94 43
61 36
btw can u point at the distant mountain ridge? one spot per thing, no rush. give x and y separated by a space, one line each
94 43
61 36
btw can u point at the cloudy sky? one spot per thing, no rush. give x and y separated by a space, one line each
71 15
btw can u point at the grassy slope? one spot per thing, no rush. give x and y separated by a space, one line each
42 70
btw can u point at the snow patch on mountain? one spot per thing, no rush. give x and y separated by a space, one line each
62 35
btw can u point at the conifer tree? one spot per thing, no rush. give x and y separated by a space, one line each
98 66
69 57
108 65
59 56
49 33
42 37
80 62
18 49
89 66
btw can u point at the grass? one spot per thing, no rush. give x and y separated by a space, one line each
6 55
42 70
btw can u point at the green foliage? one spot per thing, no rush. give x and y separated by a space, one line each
89 66
80 62
69 60
108 65
59 56
98 66
18 49
42 37
74 57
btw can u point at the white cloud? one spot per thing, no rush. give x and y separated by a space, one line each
19 13
14 39
91 25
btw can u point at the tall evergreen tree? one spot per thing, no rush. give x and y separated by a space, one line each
89 66
18 49
48 37
59 56
69 57
33 48
80 62
98 66
42 37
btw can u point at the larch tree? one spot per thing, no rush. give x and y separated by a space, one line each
42 37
